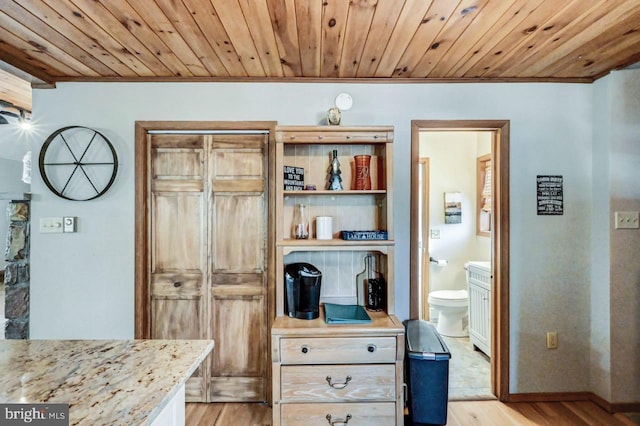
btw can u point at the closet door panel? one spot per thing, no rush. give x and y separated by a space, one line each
208 255
178 266
238 233
238 372
237 259
178 245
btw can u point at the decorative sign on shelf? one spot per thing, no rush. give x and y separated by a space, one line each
550 195
293 178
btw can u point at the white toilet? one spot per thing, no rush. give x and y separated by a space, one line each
453 311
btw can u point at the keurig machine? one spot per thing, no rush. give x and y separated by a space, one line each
302 290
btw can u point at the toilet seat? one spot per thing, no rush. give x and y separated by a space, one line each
451 298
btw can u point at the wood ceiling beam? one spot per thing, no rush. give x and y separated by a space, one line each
15 91
30 68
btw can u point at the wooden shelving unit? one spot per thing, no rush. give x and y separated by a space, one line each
305 353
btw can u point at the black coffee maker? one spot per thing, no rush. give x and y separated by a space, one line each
302 290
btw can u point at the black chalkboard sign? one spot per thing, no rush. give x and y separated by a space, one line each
293 178
550 195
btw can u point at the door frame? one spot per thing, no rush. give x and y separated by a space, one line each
142 308
424 165
500 238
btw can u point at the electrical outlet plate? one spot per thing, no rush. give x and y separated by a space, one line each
552 340
435 234
627 220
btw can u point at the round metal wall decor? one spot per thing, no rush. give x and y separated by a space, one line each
78 163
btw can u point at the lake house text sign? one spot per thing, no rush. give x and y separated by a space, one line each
550 195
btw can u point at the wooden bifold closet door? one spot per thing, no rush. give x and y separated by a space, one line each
208 255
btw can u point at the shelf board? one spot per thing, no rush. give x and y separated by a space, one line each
336 244
342 192
381 322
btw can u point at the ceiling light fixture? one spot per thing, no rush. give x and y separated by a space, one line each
23 121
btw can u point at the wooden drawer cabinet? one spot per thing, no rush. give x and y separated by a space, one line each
346 350
321 370
369 414
332 383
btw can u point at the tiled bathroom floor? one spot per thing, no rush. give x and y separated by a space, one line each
469 371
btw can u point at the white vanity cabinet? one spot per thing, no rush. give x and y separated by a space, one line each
479 281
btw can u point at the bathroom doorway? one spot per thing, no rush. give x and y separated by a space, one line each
457 204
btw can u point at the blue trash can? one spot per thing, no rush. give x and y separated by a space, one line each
427 374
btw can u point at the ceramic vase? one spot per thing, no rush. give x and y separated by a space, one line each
363 172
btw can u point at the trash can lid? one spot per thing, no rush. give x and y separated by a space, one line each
424 341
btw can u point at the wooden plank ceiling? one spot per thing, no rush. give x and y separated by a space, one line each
256 40
15 93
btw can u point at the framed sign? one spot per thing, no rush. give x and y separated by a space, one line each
293 178
550 195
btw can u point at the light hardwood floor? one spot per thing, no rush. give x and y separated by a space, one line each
461 413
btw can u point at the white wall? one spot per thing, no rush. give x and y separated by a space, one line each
624 181
15 142
600 343
82 284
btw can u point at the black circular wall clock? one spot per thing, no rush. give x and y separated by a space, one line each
78 163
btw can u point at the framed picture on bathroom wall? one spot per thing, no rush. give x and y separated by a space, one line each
452 207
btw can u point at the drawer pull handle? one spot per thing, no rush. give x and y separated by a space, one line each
177 284
371 348
305 349
338 422
339 385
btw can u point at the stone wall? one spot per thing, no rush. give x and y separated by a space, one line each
16 276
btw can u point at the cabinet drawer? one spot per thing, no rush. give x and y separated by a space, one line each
330 383
339 350
369 414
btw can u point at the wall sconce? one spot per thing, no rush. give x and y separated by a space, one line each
343 102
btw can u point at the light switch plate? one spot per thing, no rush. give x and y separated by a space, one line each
50 225
627 220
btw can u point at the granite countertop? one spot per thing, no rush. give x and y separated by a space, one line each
105 382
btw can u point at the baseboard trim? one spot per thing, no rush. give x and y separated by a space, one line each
600 401
625 407
616 407
550 397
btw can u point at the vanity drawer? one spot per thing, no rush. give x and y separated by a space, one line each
329 383
369 414
338 350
